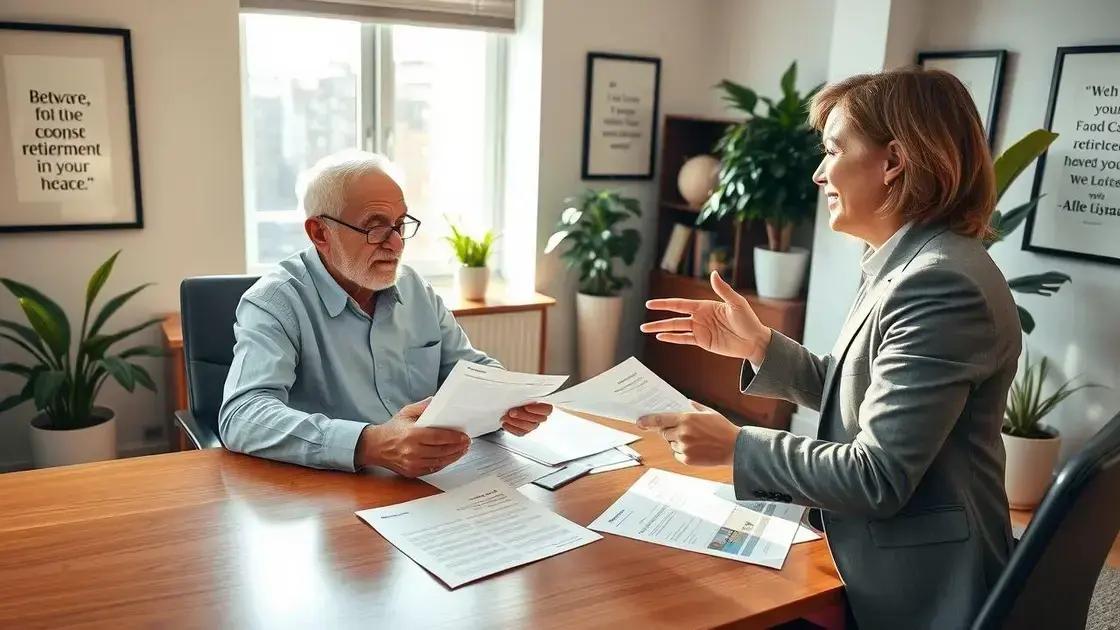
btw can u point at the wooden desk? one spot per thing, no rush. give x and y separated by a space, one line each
468 312
215 539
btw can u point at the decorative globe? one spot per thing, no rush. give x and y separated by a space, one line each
697 178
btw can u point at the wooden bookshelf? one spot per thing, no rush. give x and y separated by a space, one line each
709 378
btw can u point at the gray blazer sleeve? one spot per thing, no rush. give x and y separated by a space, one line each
789 371
937 333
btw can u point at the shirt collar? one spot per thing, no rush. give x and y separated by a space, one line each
334 297
874 259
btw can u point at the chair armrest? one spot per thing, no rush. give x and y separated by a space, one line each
200 434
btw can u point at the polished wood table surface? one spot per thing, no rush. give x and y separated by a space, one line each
216 539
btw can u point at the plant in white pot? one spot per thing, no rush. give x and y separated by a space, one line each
472 275
63 384
765 174
1032 447
590 226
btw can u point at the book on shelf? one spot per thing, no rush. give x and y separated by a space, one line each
675 249
702 247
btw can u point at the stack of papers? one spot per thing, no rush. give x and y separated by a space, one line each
476 530
687 513
563 438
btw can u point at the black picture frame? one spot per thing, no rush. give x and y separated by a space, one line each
125 36
1040 169
585 170
999 56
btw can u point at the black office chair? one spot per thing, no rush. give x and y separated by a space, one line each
209 305
1050 579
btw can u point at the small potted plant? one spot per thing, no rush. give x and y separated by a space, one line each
765 174
472 275
1032 447
590 226
63 383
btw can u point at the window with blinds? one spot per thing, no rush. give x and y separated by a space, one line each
482 14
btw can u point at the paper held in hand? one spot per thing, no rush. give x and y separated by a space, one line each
474 397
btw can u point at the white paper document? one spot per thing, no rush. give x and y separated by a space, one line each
804 533
483 459
474 397
627 392
563 438
475 530
687 513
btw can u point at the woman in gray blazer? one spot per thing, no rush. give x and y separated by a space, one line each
907 465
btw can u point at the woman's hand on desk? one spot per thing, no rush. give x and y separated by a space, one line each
407 449
728 327
700 438
521 420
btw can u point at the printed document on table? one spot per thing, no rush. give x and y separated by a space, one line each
483 459
475 530
474 397
562 438
804 533
686 513
627 392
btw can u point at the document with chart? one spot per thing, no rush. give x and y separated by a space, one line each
475 530
688 513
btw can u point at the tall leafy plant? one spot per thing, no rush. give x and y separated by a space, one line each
62 383
766 161
1008 166
590 226
1026 406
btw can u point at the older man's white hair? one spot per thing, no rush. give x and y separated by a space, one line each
322 188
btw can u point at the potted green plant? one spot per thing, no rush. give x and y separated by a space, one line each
590 226
765 168
1008 166
472 276
63 382
1032 447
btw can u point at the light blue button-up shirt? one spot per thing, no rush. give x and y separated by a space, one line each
311 369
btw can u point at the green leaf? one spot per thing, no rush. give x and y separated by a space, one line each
25 333
142 378
12 401
111 307
38 356
53 311
741 97
1039 284
144 351
16 368
1004 224
1026 322
120 370
97 280
555 240
789 78
1019 156
47 384
97 345
49 329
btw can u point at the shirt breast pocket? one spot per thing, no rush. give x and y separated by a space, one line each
423 369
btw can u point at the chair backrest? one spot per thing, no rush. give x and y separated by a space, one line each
1049 580
209 306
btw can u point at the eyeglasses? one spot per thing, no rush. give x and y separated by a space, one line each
406 228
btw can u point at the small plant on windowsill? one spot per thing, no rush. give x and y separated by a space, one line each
1032 447
472 275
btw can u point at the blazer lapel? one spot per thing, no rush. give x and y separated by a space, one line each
912 243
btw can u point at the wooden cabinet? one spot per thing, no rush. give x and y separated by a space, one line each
705 377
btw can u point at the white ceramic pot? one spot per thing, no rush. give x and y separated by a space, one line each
598 320
780 275
1030 468
52 447
473 282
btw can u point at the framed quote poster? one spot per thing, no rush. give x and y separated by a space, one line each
981 72
1079 216
68 147
620 116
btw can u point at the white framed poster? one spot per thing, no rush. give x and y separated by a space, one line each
981 72
1079 216
620 116
68 147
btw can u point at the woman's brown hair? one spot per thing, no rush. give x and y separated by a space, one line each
948 175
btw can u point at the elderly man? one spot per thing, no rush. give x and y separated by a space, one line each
335 345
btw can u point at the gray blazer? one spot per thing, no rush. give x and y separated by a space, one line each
907 466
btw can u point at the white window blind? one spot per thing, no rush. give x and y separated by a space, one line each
497 15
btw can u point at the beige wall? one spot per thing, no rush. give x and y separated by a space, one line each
185 57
